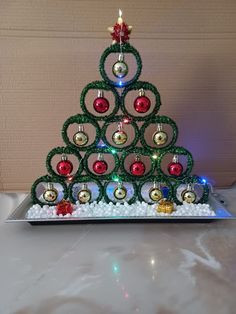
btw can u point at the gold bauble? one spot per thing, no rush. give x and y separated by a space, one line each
120 193
188 196
155 194
160 138
84 196
80 138
50 195
119 137
120 69
165 206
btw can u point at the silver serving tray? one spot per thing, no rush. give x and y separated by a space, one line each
18 215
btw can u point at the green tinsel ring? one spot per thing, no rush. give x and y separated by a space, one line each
145 86
46 179
80 119
130 201
126 48
99 85
85 179
140 151
162 120
159 178
104 151
192 179
123 147
59 151
176 150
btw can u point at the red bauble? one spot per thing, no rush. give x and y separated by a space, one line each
142 104
100 167
175 169
101 104
64 208
137 168
64 167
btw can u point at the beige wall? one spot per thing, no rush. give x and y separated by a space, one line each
49 50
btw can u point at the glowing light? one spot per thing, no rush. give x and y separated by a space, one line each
120 83
152 262
115 178
101 144
203 180
113 151
155 156
120 13
126 295
115 268
70 178
127 120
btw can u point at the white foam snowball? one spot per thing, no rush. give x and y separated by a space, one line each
102 209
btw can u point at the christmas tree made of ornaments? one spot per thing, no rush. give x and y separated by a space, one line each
122 180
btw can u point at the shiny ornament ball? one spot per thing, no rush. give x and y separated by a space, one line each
84 196
64 167
120 69
188 196
160 138
155 194
137 168
80 138
175 169
119 137
50 195
120 193
64 208
100 167
101 105
142 104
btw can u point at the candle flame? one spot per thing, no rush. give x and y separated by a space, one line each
120 13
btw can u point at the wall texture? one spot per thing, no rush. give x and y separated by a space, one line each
49 50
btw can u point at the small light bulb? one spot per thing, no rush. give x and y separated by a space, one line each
154 156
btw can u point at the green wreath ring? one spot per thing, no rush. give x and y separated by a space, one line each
176 150
47 179
103 151
122 178
139 151
99 85
145 86
85 179
192 179
80 119
162 120
159 178
123 147
60 151
126 48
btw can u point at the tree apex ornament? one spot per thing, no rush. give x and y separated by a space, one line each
120 31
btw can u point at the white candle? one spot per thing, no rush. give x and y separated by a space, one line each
120 20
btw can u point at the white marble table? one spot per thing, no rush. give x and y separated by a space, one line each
117 268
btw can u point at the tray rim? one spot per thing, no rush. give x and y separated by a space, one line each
24 206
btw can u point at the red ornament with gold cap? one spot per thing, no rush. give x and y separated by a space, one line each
175 168
65 166
142 103
137 168
101 104
100 166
